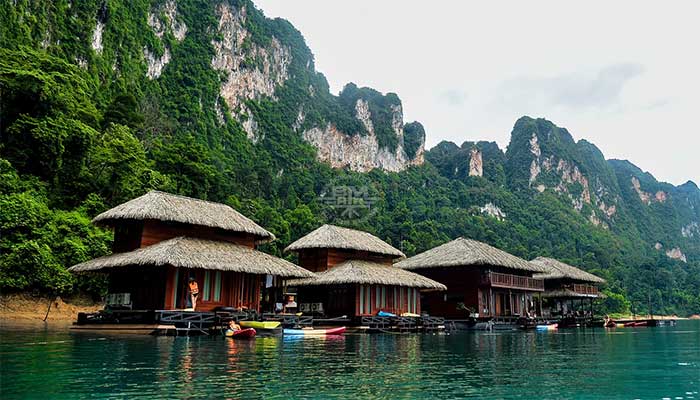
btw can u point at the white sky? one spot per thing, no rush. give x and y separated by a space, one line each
623 75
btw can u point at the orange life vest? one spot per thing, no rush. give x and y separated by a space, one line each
194 288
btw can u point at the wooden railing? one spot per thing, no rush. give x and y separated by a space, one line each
509 281
584 289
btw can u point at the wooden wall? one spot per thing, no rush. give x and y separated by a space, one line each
370 299
158 231
161 288
238 290
318 260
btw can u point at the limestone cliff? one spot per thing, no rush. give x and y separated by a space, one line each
362 152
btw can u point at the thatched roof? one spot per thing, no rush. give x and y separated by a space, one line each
174 208
186 252
466 252
369 273
335 237
555 269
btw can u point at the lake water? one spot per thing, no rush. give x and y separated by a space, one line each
626 363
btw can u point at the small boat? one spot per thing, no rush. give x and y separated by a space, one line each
547 327
260 324
314 332
412 315
241 333
385 314
635 324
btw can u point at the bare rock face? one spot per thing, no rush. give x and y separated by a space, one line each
155 64
476 163
608 210
97 37
676 254
361 153
169 22
690 230
535 165
492 210
593 219
246 82
660 196
645 197
172 21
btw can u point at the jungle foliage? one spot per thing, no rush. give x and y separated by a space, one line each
82 131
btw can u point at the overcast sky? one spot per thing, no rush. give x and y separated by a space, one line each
623 75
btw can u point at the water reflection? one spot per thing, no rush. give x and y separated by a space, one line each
592 363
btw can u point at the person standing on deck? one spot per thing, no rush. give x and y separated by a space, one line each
193 289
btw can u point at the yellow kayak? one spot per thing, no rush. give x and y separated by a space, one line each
260 324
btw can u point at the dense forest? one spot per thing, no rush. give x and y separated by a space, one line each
101 101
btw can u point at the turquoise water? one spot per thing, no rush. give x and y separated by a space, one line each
627 363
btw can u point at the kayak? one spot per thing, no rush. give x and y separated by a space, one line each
408 314
548 327
260 324
241 334
636 323
385 314
314 332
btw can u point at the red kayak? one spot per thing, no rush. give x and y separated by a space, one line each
636 323
241 333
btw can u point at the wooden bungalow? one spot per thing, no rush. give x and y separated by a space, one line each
564 286
354 275
161 240
482 281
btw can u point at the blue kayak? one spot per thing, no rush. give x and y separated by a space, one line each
385 314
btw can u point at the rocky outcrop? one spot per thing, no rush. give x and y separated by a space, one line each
609 211
154 63
162 19
645 197
361 153
476 163
567 172
252 71
676 254
249 124
535 164
172 21
691 230
493 211
593 219
97 37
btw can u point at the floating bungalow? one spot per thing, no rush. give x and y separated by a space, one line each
566 285
162 240
354 275
484 283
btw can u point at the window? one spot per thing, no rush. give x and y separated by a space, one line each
217 286
206 288
362 299
368 301
211 286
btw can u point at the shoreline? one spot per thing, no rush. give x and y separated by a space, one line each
647 316
25 307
